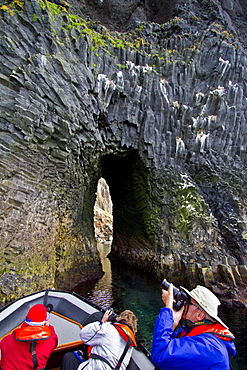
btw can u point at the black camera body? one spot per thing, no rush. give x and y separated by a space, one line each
113 315
180 296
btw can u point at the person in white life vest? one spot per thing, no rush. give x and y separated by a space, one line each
194 337
112 343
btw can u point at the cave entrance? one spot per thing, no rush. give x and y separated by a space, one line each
128 182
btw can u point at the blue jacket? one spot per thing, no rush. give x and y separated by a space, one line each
201 352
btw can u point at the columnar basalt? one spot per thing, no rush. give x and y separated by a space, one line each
159 112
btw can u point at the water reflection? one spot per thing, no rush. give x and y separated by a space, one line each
236 319
123 287
100 291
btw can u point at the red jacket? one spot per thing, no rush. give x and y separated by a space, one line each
15 355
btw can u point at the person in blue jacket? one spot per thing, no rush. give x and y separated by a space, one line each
193 338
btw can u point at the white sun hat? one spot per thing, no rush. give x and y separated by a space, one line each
207 301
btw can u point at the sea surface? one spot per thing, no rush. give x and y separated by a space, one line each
123 287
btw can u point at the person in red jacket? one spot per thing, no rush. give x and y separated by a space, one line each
29 347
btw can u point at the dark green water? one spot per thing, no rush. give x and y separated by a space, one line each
123 288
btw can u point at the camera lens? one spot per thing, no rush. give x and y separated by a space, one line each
165 285
179 296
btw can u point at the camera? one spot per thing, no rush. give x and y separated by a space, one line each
113 315
180 296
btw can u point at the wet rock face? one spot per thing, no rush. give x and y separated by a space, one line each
158 112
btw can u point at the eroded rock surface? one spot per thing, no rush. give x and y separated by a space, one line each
158 111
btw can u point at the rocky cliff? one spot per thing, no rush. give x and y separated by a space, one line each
155 103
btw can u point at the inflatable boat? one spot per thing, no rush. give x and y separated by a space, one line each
69 312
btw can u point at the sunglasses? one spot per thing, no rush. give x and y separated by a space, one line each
194 304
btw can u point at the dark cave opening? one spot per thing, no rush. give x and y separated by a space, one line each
127 179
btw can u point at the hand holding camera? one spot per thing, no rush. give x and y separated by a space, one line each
109 315
168 297
106 315
176 300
